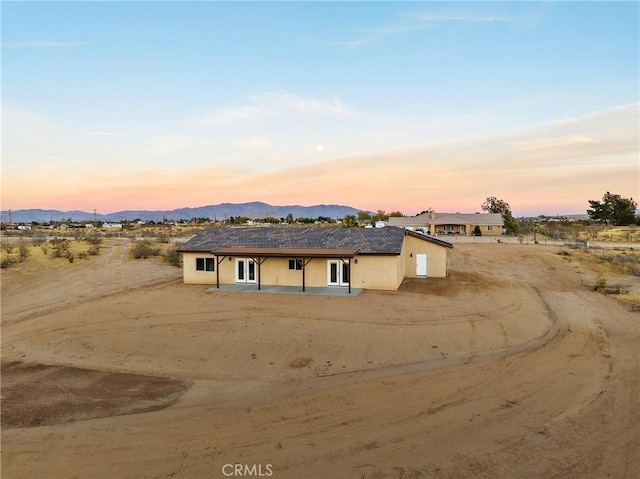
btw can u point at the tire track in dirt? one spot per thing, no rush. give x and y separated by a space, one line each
562 404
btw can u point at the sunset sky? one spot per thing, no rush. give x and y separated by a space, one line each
376 105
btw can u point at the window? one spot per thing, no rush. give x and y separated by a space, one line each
295 264
205 264
490 227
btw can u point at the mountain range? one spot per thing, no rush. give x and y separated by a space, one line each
220 211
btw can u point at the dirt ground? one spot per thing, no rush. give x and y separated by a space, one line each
511 368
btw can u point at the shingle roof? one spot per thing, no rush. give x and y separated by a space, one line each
365 240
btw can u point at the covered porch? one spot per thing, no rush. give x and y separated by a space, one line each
302 255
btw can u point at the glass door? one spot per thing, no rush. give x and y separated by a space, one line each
245 270
337 273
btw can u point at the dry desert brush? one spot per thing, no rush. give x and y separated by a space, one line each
142 249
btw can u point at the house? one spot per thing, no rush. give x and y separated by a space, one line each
368 258
486 224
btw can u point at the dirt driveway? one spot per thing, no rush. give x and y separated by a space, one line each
509 368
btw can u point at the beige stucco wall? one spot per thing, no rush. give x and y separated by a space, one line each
370 272
377 272
436 257
189 273
485 231
383 272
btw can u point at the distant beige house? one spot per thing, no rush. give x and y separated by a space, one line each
437 224
367 258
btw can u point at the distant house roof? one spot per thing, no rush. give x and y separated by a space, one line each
292 241
481 219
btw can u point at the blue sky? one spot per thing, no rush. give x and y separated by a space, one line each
378 105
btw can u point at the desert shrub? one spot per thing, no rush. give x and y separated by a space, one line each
83 255
94 239
70 257
601 284
142 249
60 248
162 238
23 251
172 257
5 262
94 250
45 248
7 248
39 239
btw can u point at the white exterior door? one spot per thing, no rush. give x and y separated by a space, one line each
337 273
421 264
245 270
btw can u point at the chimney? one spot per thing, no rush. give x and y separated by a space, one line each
433 215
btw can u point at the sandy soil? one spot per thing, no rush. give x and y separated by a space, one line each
510 368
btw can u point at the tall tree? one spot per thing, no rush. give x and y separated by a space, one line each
380 215
350 221
494 205
613 209
363 217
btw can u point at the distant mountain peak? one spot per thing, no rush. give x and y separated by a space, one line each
253 209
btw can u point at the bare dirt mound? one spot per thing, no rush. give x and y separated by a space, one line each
457 282
44 395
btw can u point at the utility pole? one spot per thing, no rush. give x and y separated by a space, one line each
10 218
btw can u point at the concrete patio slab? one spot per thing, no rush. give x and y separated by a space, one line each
252 288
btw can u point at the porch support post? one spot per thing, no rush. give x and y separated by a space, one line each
349 266
218 262
259 260
259 274
305 262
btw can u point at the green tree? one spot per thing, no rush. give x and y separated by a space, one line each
363 217
379 216
613 209
349 221
494 205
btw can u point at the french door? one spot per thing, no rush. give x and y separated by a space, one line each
337 273
245 270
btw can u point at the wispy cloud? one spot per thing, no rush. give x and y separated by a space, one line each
373 35
256 144
461 17
106 133
273 104
43 44
545 143
407 22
